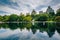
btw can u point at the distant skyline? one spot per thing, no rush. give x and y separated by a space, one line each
24 6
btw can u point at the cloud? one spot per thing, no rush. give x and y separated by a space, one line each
55 2
2 12
17 6
32 3
9 10
56 7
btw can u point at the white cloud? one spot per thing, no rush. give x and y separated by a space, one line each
55 7
26 6
8 32
44 9
9 10
32 3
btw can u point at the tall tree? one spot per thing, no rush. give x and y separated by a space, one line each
58 12
42 17
21 17
13 17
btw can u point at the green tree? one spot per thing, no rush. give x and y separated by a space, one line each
57 19
28 18
1 18
42 17
5 18
13 17
21 17
58 12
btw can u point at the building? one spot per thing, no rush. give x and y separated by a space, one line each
49 10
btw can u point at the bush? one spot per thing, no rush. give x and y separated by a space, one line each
57 19
42 17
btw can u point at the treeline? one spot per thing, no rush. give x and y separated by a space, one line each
42 16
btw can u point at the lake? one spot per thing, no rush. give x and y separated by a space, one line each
29 31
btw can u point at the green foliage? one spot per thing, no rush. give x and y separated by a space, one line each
28 18
58 12
1 18
50 29
42 17
49 15
5 18
57 19
21 17
13 17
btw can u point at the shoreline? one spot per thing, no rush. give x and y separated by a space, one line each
32 22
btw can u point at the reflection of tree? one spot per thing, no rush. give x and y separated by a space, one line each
34 31
41 25
42 29
58 24
0 25
28 25
21 25
50 33
48 27
51 29
25 25
5 25
13 26
33 28
58 30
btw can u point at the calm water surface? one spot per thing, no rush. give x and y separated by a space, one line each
29 32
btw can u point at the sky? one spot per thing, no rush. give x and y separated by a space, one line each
25 6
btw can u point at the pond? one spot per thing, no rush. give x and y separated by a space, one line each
28 31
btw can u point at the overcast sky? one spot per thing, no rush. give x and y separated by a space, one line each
17 6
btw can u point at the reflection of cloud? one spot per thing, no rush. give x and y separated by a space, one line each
56 36
27 35
8 32
2 31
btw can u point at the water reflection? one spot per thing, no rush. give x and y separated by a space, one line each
27 31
